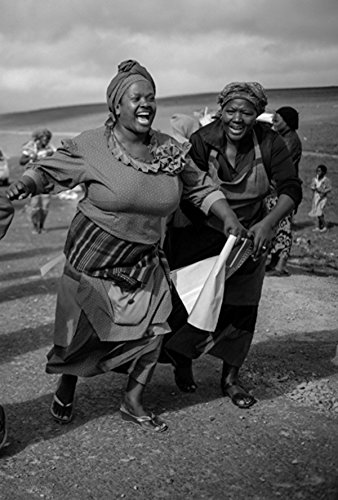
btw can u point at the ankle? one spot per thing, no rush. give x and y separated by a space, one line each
229 374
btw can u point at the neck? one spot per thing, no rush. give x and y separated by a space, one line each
127 136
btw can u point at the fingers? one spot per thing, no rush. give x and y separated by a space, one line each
16 191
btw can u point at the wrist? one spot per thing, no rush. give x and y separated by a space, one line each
29 184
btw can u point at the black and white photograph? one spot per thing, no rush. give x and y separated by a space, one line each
168 250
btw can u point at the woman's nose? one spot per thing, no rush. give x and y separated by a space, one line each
237 116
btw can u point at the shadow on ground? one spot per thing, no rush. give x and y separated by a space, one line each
270 372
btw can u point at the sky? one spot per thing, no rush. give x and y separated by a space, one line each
65 52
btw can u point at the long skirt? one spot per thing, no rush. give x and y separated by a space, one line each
281 243
87 340
232 338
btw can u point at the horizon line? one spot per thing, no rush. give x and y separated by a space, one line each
162 98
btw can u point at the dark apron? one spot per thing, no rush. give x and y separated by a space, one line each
232 338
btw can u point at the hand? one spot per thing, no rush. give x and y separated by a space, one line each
261 233
232 225
18 191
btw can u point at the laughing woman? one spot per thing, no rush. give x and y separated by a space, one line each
244 157
115 292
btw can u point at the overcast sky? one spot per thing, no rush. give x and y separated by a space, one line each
60 52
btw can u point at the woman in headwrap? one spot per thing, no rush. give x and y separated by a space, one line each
243 156
285 122
114 297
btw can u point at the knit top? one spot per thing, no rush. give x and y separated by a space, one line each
127 202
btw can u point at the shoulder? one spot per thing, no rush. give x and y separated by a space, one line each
269 139
163 138
80 143
209 132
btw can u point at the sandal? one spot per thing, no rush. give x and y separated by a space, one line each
63 414
148 422
238 395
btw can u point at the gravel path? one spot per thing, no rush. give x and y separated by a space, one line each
285 447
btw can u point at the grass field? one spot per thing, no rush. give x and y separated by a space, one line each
318 108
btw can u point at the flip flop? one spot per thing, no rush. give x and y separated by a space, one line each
63 414
238 396
148 422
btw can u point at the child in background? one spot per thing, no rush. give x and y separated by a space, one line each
321 186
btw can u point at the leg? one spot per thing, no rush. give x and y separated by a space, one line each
132 408
231 387
62 408
45 202
322 223
3 427
182 364
233 345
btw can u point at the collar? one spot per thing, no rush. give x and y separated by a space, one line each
213 134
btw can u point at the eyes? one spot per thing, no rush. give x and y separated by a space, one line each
244 112
135 98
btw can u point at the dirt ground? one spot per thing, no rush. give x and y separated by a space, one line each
285 447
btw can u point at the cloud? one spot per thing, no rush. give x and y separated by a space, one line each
65 52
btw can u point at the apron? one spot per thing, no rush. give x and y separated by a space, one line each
247 190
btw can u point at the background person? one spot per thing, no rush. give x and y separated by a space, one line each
321 186
244 157
285 122
115 293
4 169
36 149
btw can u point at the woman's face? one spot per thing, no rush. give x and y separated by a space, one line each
239 117
278 123
137 107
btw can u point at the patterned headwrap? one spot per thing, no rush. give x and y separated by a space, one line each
250 91
129 72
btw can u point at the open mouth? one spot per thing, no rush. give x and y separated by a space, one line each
236 130
144 118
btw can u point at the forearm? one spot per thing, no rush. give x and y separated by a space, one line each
221 209
285 205
231 225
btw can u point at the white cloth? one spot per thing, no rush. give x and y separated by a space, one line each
201 285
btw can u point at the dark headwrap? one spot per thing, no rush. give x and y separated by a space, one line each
250 91
290 116
128 73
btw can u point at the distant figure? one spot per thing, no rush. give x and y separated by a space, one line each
321 186
37 148
4 170
285 122
6 216
183 126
